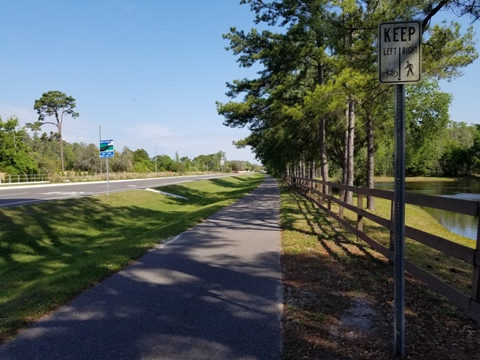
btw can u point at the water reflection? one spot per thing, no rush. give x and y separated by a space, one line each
466 189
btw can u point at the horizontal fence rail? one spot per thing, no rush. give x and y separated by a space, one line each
22 178
324 194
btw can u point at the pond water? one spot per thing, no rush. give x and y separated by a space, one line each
468 189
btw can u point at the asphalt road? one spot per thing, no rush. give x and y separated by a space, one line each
29 194
214 292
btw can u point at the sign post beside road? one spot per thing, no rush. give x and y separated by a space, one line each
107 151
399 63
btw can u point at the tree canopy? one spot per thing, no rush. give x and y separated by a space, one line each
316 103
57 104
14 149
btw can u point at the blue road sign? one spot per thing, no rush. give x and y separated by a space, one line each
106 149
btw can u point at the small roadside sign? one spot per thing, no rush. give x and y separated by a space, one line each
106 149
399 52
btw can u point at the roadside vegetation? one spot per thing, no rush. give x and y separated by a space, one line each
339 291
51 252
315 107
41 153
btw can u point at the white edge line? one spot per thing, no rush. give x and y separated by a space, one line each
165 243
166 193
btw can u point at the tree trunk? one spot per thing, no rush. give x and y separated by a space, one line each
323 154
349 149
370 160
323 142
343 195
61 153
59 127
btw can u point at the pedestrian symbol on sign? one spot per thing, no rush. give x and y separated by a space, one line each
409 68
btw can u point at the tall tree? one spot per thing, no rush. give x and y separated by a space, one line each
14 150
57 104
294 63
323 51
427 119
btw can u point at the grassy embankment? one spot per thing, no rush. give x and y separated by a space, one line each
51 252
328 272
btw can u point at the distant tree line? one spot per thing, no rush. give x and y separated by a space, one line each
21 153
442 148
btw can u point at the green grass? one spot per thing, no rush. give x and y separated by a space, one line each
51 252
451 270
326 270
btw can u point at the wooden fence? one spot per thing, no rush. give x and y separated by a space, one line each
321 193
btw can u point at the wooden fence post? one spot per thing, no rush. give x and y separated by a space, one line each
340 207
359 217
329 193
476 264
392 222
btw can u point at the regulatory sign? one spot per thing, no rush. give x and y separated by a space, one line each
399 52
106 149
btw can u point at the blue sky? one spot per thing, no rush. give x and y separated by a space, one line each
147 71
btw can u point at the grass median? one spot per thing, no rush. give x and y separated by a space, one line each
51 252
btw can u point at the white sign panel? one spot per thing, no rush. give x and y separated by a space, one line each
399 52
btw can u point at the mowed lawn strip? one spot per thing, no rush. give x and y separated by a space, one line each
51 252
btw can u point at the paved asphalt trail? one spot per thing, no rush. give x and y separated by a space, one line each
212 293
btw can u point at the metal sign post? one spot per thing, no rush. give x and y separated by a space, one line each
399 215
399 63
108 180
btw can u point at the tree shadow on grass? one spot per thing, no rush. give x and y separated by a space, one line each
324 228
203 197
179 301
324 282
51 251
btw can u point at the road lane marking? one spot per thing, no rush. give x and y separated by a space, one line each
67 193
